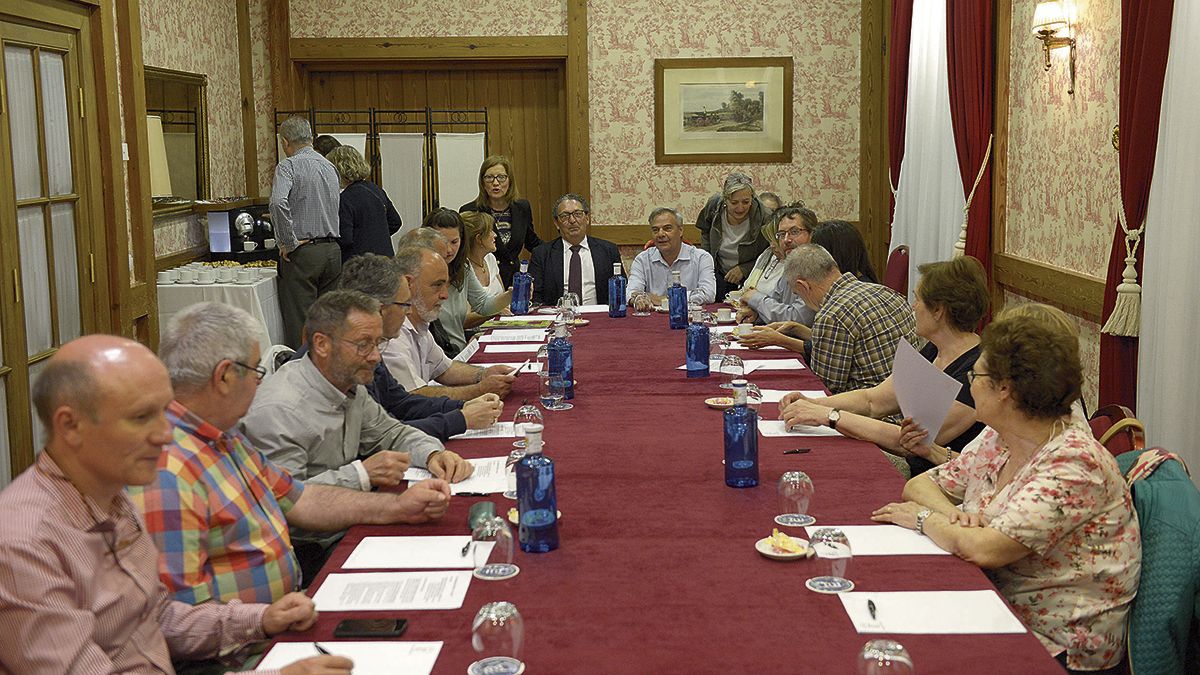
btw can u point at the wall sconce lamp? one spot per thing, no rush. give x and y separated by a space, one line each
1052 27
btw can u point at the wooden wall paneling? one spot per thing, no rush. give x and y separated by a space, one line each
437 90
287 84
1079 294
874 187
246 75
539 121
556 153
110 208
531 133
416 48
1000 79
579 170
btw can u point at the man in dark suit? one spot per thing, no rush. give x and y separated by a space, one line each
574 260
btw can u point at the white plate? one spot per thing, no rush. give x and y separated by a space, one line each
548 310
764 547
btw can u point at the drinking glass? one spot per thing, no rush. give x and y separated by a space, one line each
795 494
884 657
552 391
492 550
526 414
497 634
832 548
732 366
640 312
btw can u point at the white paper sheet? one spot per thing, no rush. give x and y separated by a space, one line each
523 335
931 612
714 367
370 658
776 395
592 309
392 591
774 428
411 553
885 540
524 348
489 476
468 351
739 346
774 364
517 318
497 430
924 393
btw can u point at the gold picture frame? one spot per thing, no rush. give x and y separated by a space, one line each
723 110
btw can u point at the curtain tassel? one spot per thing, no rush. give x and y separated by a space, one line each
1126 317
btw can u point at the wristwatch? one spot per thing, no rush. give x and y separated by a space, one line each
835 416
921 516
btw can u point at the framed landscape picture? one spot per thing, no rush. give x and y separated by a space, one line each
735 110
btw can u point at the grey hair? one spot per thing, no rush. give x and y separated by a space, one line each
809 262
570 197
371 274
425 237
203 335
409 258
349 163
735 182
329 313
666 209
296 130
69 382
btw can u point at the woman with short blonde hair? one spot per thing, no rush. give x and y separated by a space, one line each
366 216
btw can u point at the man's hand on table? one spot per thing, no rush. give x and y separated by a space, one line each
294 612
482 412
745 314
497 380
645 302
320 665
792 328
449 466
761 336
803 411
386 467
423 502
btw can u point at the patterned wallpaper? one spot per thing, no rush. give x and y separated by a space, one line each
625 38
201 37
1089 350
179 232
264 105
1062 176
427 18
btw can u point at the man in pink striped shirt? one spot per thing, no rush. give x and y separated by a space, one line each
79 587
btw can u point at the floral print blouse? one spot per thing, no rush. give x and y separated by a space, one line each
1071 507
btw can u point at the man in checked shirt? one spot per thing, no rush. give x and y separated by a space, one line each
79 588
304 212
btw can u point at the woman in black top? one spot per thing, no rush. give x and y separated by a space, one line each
952 297
845 244
514 217
367 219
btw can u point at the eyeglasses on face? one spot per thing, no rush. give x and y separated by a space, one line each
572 215
498 178
389 303
257 370
972 375
792 232
365 347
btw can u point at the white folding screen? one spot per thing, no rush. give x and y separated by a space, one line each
458 160
401 164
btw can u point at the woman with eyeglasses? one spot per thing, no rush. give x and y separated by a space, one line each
469 303
951 298
1037 501
499 199
730 227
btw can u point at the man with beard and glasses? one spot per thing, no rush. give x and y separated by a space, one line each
414 358
314 418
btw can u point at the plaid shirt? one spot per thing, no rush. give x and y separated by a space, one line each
855 331
216 512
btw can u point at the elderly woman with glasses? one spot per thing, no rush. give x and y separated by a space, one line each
1036 501
513 216
730 227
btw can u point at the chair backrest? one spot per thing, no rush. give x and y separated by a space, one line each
1117 429
895 275
275 356
1162 636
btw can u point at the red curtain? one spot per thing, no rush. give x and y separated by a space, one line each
1145 37
969 61
898 42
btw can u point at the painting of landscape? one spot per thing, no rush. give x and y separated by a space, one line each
722 108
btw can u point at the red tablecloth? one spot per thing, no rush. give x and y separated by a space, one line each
657 570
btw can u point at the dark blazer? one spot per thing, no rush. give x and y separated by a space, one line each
546 268
367 220
523 236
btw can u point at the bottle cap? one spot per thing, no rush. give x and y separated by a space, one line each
533 438
675 276
524 265
617 269
560 329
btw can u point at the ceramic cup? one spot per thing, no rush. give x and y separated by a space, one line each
249 246
724 314
247 276
206 276
743 329
174 274
226 274
187 276
666 303
268 243
164 277
734 297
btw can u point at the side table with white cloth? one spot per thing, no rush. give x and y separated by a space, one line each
260 298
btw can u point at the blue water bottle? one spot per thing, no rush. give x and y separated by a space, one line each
697 346
560 359
677 302
522 290
741 441
537 505
616 292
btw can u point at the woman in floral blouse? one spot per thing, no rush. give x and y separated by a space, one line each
1036 500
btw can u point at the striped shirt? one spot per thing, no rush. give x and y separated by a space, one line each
304 199
79 588
216 512
855 332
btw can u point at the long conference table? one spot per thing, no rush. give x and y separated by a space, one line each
657 570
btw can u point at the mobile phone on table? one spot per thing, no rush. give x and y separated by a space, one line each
370 628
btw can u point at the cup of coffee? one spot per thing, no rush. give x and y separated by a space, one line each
249 246
174 274
164 277
743 329
206 276
268 244
733 297
724 314
666 304
226 275
187 276
246 276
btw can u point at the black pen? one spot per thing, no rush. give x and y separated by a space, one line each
797 451
871 608
471 494
321 649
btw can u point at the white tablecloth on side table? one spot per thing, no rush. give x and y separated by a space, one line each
260 298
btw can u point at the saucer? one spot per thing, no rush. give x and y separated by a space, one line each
205 283
763 546
580 322
719 402
496 665
829 585
547 310
794 519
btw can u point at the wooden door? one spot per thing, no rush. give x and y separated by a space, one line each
526 108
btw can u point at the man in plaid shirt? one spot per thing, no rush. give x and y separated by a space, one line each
218 509
857 325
